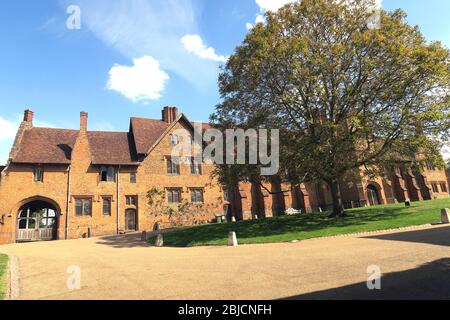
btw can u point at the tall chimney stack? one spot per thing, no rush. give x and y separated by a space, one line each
83 121
169 114
28 116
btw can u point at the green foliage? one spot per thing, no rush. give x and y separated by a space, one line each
344 96
155 197
176 214
3 273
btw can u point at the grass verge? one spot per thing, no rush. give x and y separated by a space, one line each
3 275
308 226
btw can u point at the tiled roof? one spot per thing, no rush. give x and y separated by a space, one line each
112 148
205 126
54 146
146 132
46 146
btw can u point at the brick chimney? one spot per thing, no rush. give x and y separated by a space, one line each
83 121
26 124
28 115
169 114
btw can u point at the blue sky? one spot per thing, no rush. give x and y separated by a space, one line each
131 57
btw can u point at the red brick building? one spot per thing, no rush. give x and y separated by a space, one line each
66 184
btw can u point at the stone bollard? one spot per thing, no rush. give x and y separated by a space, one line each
445 216
144 236
157 226
232 239
159 240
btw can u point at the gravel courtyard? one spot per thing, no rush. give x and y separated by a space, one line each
415 264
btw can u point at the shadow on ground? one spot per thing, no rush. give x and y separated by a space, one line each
437 236
428 282
131 240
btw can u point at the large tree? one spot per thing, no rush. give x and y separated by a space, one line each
344 95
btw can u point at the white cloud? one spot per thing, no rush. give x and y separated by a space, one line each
446 152
272 5
7 135
137 28
379 4
140 82
275 5
265 6
8 129
194 44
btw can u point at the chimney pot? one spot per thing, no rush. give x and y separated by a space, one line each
169 114
83 121
28 115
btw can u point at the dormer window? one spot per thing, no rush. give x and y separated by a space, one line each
103 174
38 174
107 174
174 139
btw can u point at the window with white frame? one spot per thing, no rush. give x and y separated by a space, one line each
133 177
196 167
107 174
174 196
83 207
197 195
174 139
131 200
173 166
38 174
106 206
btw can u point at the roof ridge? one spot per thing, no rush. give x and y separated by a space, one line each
102 131
48 128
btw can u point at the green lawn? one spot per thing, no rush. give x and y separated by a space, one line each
315 225
3 268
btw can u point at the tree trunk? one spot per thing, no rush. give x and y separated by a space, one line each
338 207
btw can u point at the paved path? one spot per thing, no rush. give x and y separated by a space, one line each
415 264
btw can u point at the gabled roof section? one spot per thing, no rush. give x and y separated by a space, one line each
146 132
46 146
181 117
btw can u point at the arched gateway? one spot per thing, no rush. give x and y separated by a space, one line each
37 221
373 195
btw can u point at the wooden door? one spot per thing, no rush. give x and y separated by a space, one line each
130 220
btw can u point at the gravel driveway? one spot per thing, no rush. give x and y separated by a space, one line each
415 264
